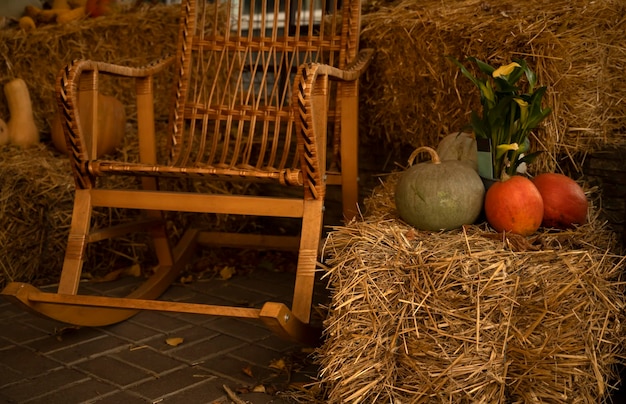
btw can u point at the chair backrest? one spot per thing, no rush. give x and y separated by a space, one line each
234 68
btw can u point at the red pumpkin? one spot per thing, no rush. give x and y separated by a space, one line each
564 201
97 8
514 205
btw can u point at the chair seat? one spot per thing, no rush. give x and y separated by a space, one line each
286 176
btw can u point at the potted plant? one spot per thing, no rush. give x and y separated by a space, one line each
511 109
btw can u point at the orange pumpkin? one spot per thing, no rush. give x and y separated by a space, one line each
111 124
514 205
98 8
564 201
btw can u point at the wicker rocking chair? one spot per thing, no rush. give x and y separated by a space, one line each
258 87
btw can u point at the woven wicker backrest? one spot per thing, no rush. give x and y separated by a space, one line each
235 65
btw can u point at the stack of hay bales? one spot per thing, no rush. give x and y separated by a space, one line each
131 38
470 316
414 96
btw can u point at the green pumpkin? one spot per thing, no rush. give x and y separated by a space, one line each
459 146
439 195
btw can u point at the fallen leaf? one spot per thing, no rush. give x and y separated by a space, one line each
174 341
60 332
186 279
227 273
248 371
133 270
278 364
259 389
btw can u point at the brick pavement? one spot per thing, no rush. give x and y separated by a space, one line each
42 361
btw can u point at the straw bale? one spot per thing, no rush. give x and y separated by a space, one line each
37 191
414 95
133 38
35 215
470 316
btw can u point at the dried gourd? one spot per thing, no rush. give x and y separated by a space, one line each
21 126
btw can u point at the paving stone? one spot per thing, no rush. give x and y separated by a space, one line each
44 324
178 293
147 358
159 321
195 319
88 349
5 343
122 397
9 311
210 391
240 297
207 348
260 398
130 331
26 362
242 372
249 330
22 333
262 356
113 371
43 384
273 284
88 390
8 376
279 344
54 342
119 287
178 380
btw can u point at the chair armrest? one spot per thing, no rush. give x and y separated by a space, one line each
78 66
351 72
310 99
361 62
81 76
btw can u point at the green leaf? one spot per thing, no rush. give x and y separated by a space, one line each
530 75
479 127
484 67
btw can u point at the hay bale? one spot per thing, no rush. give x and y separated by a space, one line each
469 316
35 211
414 95
35 214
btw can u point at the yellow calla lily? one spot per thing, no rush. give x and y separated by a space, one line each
505 70
523 105
521 102
501 149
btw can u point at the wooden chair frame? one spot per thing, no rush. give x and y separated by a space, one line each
309 115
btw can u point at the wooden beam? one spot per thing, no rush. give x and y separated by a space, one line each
246 240
201 203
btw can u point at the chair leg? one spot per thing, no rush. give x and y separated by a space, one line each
307 259
349 158
77 243
160 239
